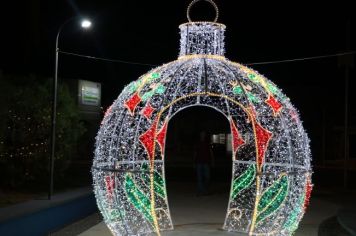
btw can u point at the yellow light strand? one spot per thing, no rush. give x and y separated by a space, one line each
200 56
260 78
257 199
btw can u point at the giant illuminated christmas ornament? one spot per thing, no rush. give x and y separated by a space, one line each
271 182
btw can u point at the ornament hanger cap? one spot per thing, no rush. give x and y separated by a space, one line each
204 38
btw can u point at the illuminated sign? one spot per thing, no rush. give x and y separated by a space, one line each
90 93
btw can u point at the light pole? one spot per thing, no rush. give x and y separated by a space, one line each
85 24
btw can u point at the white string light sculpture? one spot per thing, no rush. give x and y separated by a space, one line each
271 182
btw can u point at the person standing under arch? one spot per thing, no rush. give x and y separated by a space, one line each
203 160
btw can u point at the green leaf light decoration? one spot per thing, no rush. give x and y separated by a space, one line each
243 181
138 199
272 199
159 183
292 221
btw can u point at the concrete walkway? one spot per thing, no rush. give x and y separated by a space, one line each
35 205
41 216
193 215
347 219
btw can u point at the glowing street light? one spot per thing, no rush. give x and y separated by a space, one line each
85 23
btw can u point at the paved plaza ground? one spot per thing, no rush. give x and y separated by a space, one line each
204 215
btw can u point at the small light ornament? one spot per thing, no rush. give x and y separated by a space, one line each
271 182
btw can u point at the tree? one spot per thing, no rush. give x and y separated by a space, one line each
25 114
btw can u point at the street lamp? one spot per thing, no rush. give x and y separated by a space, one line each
85 24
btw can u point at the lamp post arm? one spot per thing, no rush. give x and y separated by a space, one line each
61 28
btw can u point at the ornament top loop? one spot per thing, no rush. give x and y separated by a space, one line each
209 1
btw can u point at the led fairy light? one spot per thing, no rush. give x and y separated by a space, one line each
271 181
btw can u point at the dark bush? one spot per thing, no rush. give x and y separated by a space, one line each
25 127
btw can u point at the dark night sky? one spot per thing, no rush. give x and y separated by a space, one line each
147 31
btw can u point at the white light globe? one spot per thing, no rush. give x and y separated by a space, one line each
86 24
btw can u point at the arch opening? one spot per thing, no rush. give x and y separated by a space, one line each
194 181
